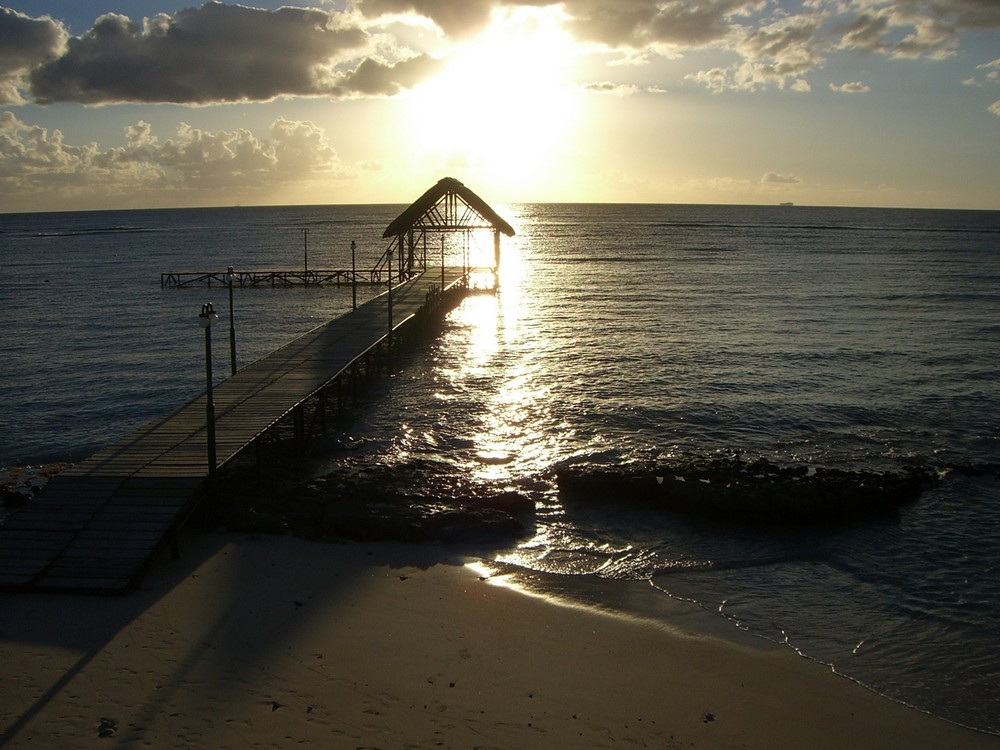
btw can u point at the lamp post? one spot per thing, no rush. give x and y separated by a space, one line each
305 256
354 278
207 319
230 276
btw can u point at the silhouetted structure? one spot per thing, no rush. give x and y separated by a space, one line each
98 525
447 208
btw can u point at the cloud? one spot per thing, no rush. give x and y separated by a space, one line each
774 51
683 23
220 53
24 44
613 89
375 78
635 24
775 178
750 77
991 74
914 28
716 80
778 48
853 87
995 108
233 53
33 159
992 69
457 18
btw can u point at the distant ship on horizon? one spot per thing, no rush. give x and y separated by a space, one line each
786 203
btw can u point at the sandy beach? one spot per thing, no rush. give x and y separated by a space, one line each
253 641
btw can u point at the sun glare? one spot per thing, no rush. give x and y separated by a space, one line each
504 102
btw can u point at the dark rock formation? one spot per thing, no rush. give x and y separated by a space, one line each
414 503
20 484
748 491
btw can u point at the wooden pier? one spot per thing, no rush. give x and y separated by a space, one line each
98 525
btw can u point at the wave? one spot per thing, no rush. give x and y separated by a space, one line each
828 227
89 232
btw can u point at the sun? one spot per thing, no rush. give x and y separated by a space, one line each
504 105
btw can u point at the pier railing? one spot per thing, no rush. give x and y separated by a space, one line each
399 263
272 278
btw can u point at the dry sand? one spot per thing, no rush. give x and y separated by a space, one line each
250 642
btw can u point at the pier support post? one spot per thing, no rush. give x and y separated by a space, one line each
389 295
299 426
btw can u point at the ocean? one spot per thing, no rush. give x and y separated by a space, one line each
853 339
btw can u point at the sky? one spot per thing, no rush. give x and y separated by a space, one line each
164 103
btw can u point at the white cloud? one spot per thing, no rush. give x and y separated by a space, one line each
991 74
995 108
852 87
776 178
33 159
614 89
715 80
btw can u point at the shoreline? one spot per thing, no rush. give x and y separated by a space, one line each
274 641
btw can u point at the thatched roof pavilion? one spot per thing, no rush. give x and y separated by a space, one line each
449 206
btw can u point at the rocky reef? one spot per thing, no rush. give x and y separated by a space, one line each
19 484
758 491
371 503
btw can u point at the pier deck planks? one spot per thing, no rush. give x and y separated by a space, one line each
98 525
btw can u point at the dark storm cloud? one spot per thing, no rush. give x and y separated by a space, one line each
25 43
216 53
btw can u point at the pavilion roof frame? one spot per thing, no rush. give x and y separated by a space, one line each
447 207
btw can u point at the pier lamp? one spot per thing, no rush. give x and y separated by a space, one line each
354 278
231 277
305 256
207 318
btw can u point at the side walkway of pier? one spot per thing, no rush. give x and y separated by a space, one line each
98 525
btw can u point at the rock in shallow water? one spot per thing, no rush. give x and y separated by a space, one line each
375 505
758 491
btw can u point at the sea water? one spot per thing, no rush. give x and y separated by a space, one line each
861 339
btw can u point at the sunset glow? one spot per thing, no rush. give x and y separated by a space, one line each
823 102
504 105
